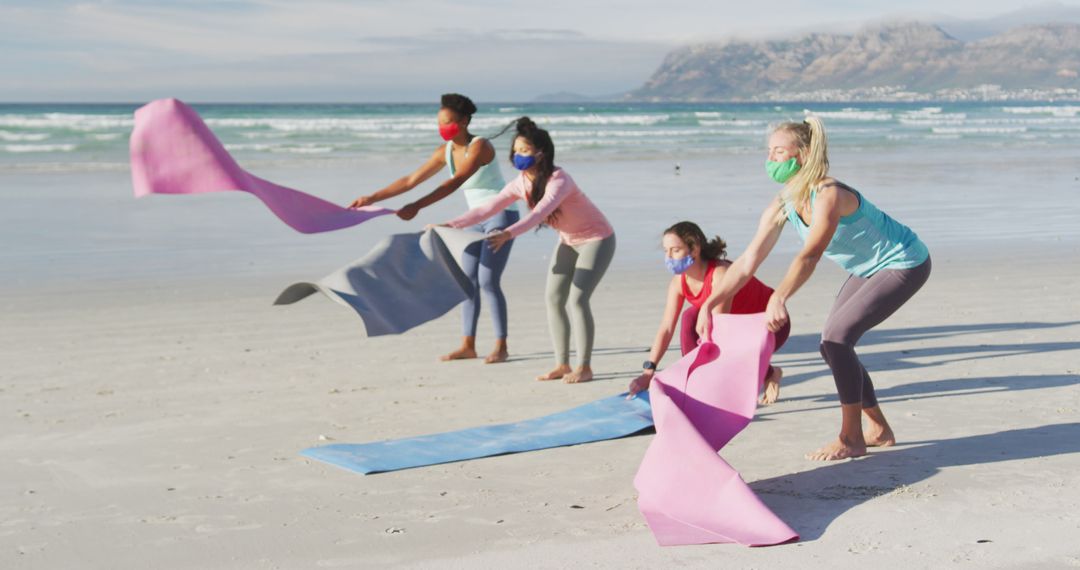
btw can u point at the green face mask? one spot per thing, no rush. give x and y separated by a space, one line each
782 171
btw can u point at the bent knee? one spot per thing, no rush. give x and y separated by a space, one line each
487 283
579 299
838 335
830 350
555 298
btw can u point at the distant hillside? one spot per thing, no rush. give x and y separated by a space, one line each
913 56
968 30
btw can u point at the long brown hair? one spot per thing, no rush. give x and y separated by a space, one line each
545 159
691 234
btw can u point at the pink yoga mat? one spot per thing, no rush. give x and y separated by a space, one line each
686 491
174 152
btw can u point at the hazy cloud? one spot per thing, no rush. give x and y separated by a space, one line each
325 50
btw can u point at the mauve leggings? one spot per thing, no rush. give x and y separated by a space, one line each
862 304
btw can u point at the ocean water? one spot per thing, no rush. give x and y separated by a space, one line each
94 137
976 182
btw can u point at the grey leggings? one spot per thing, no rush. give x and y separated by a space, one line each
574 274
862 304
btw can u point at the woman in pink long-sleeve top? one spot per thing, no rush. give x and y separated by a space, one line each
585 249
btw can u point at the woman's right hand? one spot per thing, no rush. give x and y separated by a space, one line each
362 201
498 238
776 313
430 227
639 384
704 325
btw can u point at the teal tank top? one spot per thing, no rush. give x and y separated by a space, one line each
484 184
868 240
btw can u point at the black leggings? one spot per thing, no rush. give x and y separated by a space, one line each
862 304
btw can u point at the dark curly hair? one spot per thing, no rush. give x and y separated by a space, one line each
459 104
691 235
545 158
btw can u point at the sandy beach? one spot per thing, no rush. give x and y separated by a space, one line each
155 403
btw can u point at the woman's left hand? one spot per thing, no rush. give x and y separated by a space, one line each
408 211
362 201
639 384
776 314
498 239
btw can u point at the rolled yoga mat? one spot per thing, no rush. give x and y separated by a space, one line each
686 491
404 281
174 152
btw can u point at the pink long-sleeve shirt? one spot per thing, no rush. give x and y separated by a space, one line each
579 220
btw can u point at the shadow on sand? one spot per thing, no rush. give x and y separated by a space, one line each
917 357
810 501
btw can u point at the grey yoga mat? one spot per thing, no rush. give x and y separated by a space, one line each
404 281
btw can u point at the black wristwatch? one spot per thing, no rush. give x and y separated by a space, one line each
648 365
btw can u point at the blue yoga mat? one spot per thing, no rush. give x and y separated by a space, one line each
608 418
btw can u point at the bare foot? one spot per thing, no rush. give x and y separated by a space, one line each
559 371
878 436
459 354
837 450
582 374
877 432
772 386
496 357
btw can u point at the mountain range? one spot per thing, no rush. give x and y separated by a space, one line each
912 56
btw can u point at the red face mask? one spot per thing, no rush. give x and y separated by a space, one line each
449 131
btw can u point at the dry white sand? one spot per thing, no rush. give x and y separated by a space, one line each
159 425
153 404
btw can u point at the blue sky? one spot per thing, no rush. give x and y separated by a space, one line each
398 50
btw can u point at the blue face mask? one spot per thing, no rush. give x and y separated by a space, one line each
523 162
678 266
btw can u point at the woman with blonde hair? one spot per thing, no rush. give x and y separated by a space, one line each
887 264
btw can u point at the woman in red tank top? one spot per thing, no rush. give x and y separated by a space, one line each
698 264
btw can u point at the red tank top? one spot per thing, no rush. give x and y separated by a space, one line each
752 298
706 288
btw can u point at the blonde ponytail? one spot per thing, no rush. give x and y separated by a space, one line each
812 143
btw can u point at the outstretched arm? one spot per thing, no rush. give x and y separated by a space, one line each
663 335
508 195
823 222
743 268
482 153
558 189
405 183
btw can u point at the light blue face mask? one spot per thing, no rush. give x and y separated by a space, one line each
678 266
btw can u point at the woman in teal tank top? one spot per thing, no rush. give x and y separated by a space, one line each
887 263
471 163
